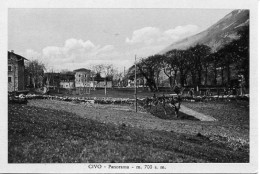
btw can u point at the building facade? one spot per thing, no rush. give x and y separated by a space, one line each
82 78
67 80
67 84
16 72
101 82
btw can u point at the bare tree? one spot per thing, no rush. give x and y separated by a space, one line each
35 70
98 69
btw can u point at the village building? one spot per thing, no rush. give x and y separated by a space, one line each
67 81
82 78
16 74
101 82
51 79
140 82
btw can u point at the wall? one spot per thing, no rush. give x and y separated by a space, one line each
13 85
21 83
82 79
67 85
102 84
16 73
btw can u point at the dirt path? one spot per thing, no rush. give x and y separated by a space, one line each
200 116
118 115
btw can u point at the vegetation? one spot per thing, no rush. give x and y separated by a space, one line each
35 70
44 135
198 65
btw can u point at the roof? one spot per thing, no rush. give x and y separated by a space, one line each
101 79
82 69
51 73
67 77
17 55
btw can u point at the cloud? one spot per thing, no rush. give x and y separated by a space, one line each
29 53
181 31
73 53
77 53
148 35
153 35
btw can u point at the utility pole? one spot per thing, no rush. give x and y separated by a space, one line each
135 88
105 86
53 79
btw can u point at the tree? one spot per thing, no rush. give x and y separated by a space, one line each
118 78
214 60
149 68
109 71
170 66
198 55
35 70
227 59
239 51
236 54
106 70
98 69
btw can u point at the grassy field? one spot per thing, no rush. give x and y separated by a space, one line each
42 132
235 113
114 93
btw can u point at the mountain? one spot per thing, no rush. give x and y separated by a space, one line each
216 36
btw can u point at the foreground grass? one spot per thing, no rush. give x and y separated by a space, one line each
227 112
114 93
38 135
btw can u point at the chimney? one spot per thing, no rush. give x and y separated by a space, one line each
12 51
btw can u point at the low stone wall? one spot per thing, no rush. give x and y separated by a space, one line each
92 100
109 100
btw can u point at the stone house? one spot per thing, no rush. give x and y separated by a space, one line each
82 77
16 74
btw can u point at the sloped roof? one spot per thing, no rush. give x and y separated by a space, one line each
17 55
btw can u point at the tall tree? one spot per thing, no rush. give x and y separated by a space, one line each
236 54
35 70
214 60
170 64
198 54
239 50
149 69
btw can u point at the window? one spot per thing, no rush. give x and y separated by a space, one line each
9 68
9 79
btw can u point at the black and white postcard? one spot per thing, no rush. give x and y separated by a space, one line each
129 86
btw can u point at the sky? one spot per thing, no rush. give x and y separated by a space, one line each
79 38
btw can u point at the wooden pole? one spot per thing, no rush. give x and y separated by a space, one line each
105 87
135 88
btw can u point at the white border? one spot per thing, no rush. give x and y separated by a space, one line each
171 168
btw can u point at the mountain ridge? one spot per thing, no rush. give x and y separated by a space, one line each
217 35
